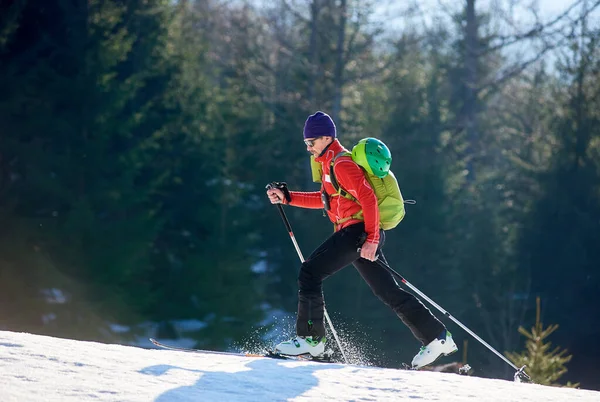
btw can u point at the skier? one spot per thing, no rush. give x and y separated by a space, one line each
355 241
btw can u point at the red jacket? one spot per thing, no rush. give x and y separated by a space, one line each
352 179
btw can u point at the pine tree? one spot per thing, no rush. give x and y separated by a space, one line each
557 245
206 249
544 365
74 198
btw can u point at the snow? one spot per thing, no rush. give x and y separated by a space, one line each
40 368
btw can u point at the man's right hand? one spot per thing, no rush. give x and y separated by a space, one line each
276 196
368 251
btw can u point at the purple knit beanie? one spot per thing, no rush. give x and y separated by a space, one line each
319 125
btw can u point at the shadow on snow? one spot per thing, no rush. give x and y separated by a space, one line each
267 380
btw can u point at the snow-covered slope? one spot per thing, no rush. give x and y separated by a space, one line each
39 368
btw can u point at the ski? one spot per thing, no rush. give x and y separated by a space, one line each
212 352
459 369
268 353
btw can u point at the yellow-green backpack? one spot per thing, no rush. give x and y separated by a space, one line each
374 158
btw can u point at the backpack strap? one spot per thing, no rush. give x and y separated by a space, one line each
341 192
336 185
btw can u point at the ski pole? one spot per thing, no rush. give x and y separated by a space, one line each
291 233
520 374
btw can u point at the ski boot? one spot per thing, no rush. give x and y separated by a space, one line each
302 345
443 345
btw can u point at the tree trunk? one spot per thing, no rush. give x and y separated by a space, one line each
470 79
315 9
580 104
311 97
339 63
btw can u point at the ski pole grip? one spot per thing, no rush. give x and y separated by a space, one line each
273 185
282 186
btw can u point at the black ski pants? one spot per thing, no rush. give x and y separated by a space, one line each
340 250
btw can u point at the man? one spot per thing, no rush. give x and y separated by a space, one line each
354 241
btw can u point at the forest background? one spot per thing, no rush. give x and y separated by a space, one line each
137 137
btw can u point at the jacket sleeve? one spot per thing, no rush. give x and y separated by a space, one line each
303 199
353 180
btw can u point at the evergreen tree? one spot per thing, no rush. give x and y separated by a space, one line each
481 273
544 365
206 250
73 159
558 243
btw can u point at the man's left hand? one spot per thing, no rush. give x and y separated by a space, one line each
368 251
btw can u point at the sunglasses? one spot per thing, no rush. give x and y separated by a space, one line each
311 143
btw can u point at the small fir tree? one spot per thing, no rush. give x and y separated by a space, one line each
544 366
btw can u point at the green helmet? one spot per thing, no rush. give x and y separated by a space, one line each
373 155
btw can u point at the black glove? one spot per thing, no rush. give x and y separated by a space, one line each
281 186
